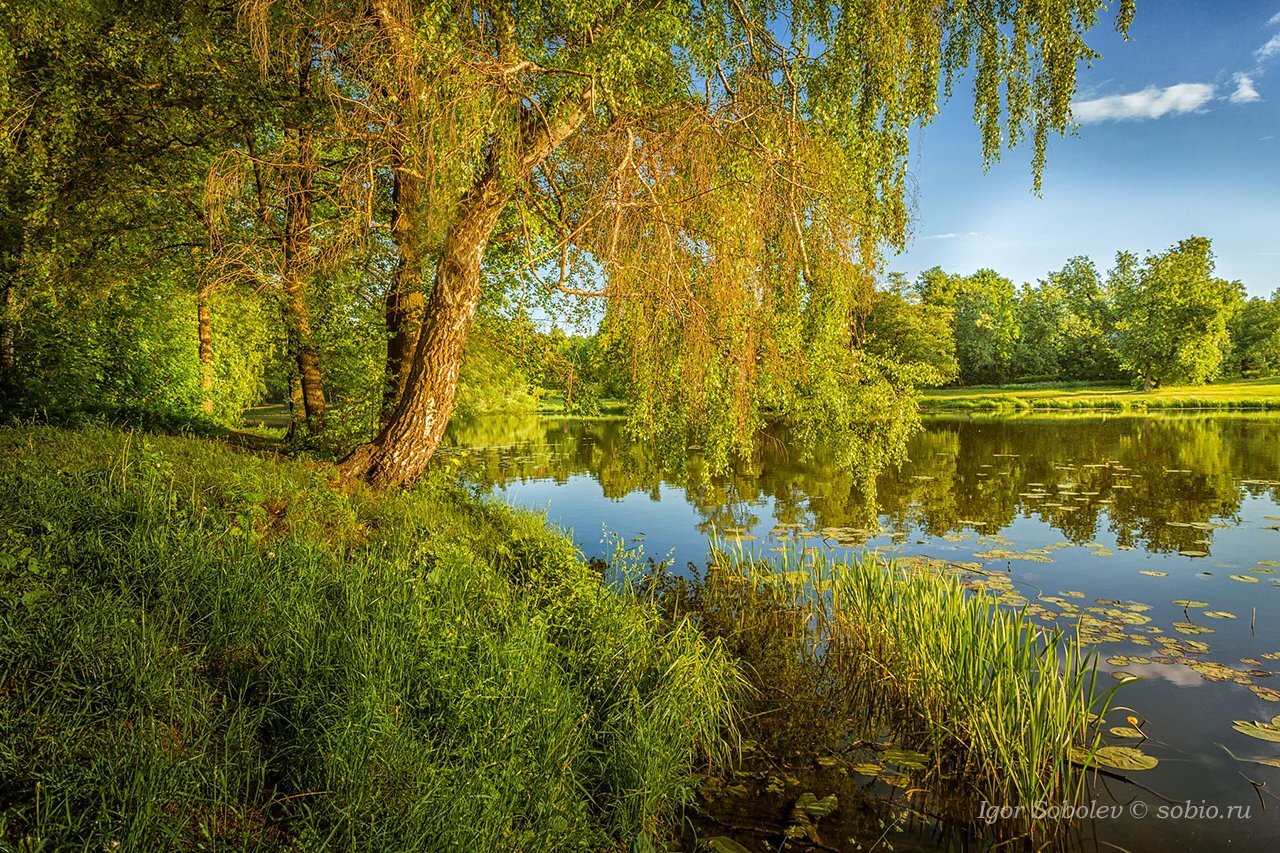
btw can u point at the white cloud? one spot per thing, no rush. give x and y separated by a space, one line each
1268 50
1275 20
1151 102
1246 92
950 235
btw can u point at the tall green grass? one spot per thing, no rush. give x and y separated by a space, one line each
200 648
1004 702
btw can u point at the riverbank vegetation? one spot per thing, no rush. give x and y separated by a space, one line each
374 214
203 647
1238 395
914 674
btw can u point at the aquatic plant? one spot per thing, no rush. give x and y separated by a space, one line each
1010 705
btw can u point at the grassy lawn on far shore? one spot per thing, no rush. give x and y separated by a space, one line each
1238 394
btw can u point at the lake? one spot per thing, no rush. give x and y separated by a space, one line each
1179 513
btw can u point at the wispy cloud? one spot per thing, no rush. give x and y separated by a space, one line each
950 235
1246 92
1151 102
1268 50
1275 20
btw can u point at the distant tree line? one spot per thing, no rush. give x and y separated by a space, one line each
1162 320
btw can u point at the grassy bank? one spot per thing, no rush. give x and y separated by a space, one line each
203 648
1245 394
607 407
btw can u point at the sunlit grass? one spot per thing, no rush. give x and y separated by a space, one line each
203 649
1246 394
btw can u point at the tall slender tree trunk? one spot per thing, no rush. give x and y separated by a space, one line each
404 301
204 326
8 351
306 357
299 197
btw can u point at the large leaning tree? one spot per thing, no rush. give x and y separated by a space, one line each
724 174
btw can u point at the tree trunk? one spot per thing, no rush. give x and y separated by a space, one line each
404 302
8 352
1146 377
407 441
409 438
299 197
297 409
310 380
205 331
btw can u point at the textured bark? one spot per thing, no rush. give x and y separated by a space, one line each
409 438
404 302
299 198
8 352
310 380
204 325
407 441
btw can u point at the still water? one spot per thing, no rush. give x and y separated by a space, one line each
1177 513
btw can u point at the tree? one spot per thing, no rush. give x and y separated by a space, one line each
984 307
902 328
110 114
1042 318
1255 337
1088 322
725 179
1173 314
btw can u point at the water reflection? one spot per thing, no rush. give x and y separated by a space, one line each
1157 484
1176 518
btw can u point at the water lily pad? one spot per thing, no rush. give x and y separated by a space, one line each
1190 602
1243 578
1124 758
905 758
1261 731
1219 614
1127 731
1266 693
1153 574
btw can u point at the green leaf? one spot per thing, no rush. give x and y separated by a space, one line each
1124 758
1261 731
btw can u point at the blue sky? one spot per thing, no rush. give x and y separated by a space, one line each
1180 135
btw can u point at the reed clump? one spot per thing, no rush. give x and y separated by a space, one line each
995 698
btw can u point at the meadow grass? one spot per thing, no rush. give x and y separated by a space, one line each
1244 394
1006 706
202 648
